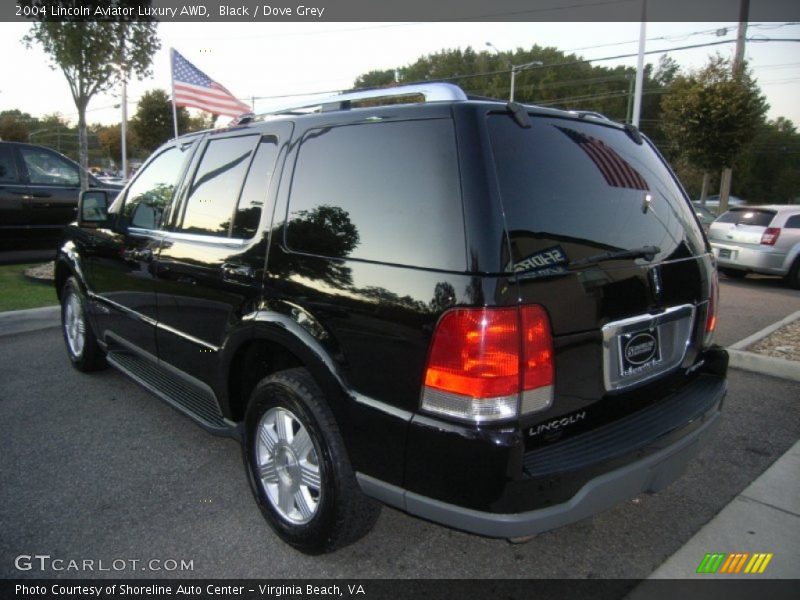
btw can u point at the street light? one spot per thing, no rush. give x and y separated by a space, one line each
515 69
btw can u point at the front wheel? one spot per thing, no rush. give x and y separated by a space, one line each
82 348
793 277
298 468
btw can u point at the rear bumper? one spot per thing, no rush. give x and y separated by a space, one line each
759 260
490 485
601 493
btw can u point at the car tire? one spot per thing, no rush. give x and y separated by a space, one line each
733 273
298 467
83 350
793 277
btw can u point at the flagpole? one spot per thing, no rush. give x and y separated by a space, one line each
172 79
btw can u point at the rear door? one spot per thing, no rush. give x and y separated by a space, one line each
13 194
53 187
211 264
601 235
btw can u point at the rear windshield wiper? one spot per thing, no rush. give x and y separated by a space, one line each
646 252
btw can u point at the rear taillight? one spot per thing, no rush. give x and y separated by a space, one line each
711 313
487 364
770 236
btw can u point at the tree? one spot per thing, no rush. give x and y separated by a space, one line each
14 126
769 168
110 140
152 122
711 115
94 56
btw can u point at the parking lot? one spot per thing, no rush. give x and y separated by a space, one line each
94 467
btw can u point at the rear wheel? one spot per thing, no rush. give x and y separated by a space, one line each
82 348
733 273
793 277
298 467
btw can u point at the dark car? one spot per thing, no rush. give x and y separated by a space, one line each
493 316
38 191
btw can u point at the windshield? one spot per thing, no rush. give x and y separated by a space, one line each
582 188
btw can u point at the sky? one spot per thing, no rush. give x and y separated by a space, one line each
279 59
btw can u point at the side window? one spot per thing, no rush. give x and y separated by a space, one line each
47 168
793 222
256 188
386 192
8 171
151 192
212 198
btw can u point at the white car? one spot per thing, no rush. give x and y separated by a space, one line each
758 239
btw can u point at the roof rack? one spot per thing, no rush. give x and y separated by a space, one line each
431 92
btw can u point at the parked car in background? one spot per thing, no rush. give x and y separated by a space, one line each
712 203
38 191
704 215
758 239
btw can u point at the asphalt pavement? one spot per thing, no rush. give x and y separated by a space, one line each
94 467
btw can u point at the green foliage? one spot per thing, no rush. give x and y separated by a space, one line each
14 126
20 293
768 170
712 114
153 123
110 140
563 81
95 56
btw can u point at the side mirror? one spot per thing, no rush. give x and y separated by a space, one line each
93 208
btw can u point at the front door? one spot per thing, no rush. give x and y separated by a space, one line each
122 266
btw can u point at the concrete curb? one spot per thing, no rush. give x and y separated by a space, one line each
765 365
32 319
764 517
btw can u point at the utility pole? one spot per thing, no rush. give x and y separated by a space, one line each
738 69
637 99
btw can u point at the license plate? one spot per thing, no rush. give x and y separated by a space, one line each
639 351
724 253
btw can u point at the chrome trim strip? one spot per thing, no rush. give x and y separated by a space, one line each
163 235
125 309
187 337
382 406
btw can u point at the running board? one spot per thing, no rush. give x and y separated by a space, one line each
190 399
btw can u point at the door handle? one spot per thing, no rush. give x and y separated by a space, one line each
238 273
143 254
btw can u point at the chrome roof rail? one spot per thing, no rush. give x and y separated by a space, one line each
432 92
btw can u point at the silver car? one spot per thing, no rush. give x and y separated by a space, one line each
758 239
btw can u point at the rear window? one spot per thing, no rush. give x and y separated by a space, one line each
744 216
585 188
384 192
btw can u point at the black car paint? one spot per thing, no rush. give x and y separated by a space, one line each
366 344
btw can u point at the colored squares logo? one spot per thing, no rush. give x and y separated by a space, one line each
735 563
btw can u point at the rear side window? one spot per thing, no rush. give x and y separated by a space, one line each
744 216
583 188
793 222
213 195
385 192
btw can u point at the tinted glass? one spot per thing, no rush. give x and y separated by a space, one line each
745 216
256 188
584 189
8 172
212 198
47 168
151 192
386 192
793 222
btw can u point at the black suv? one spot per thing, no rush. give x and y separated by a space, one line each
39 191
494 316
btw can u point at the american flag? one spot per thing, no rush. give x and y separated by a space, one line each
616 170
196 89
